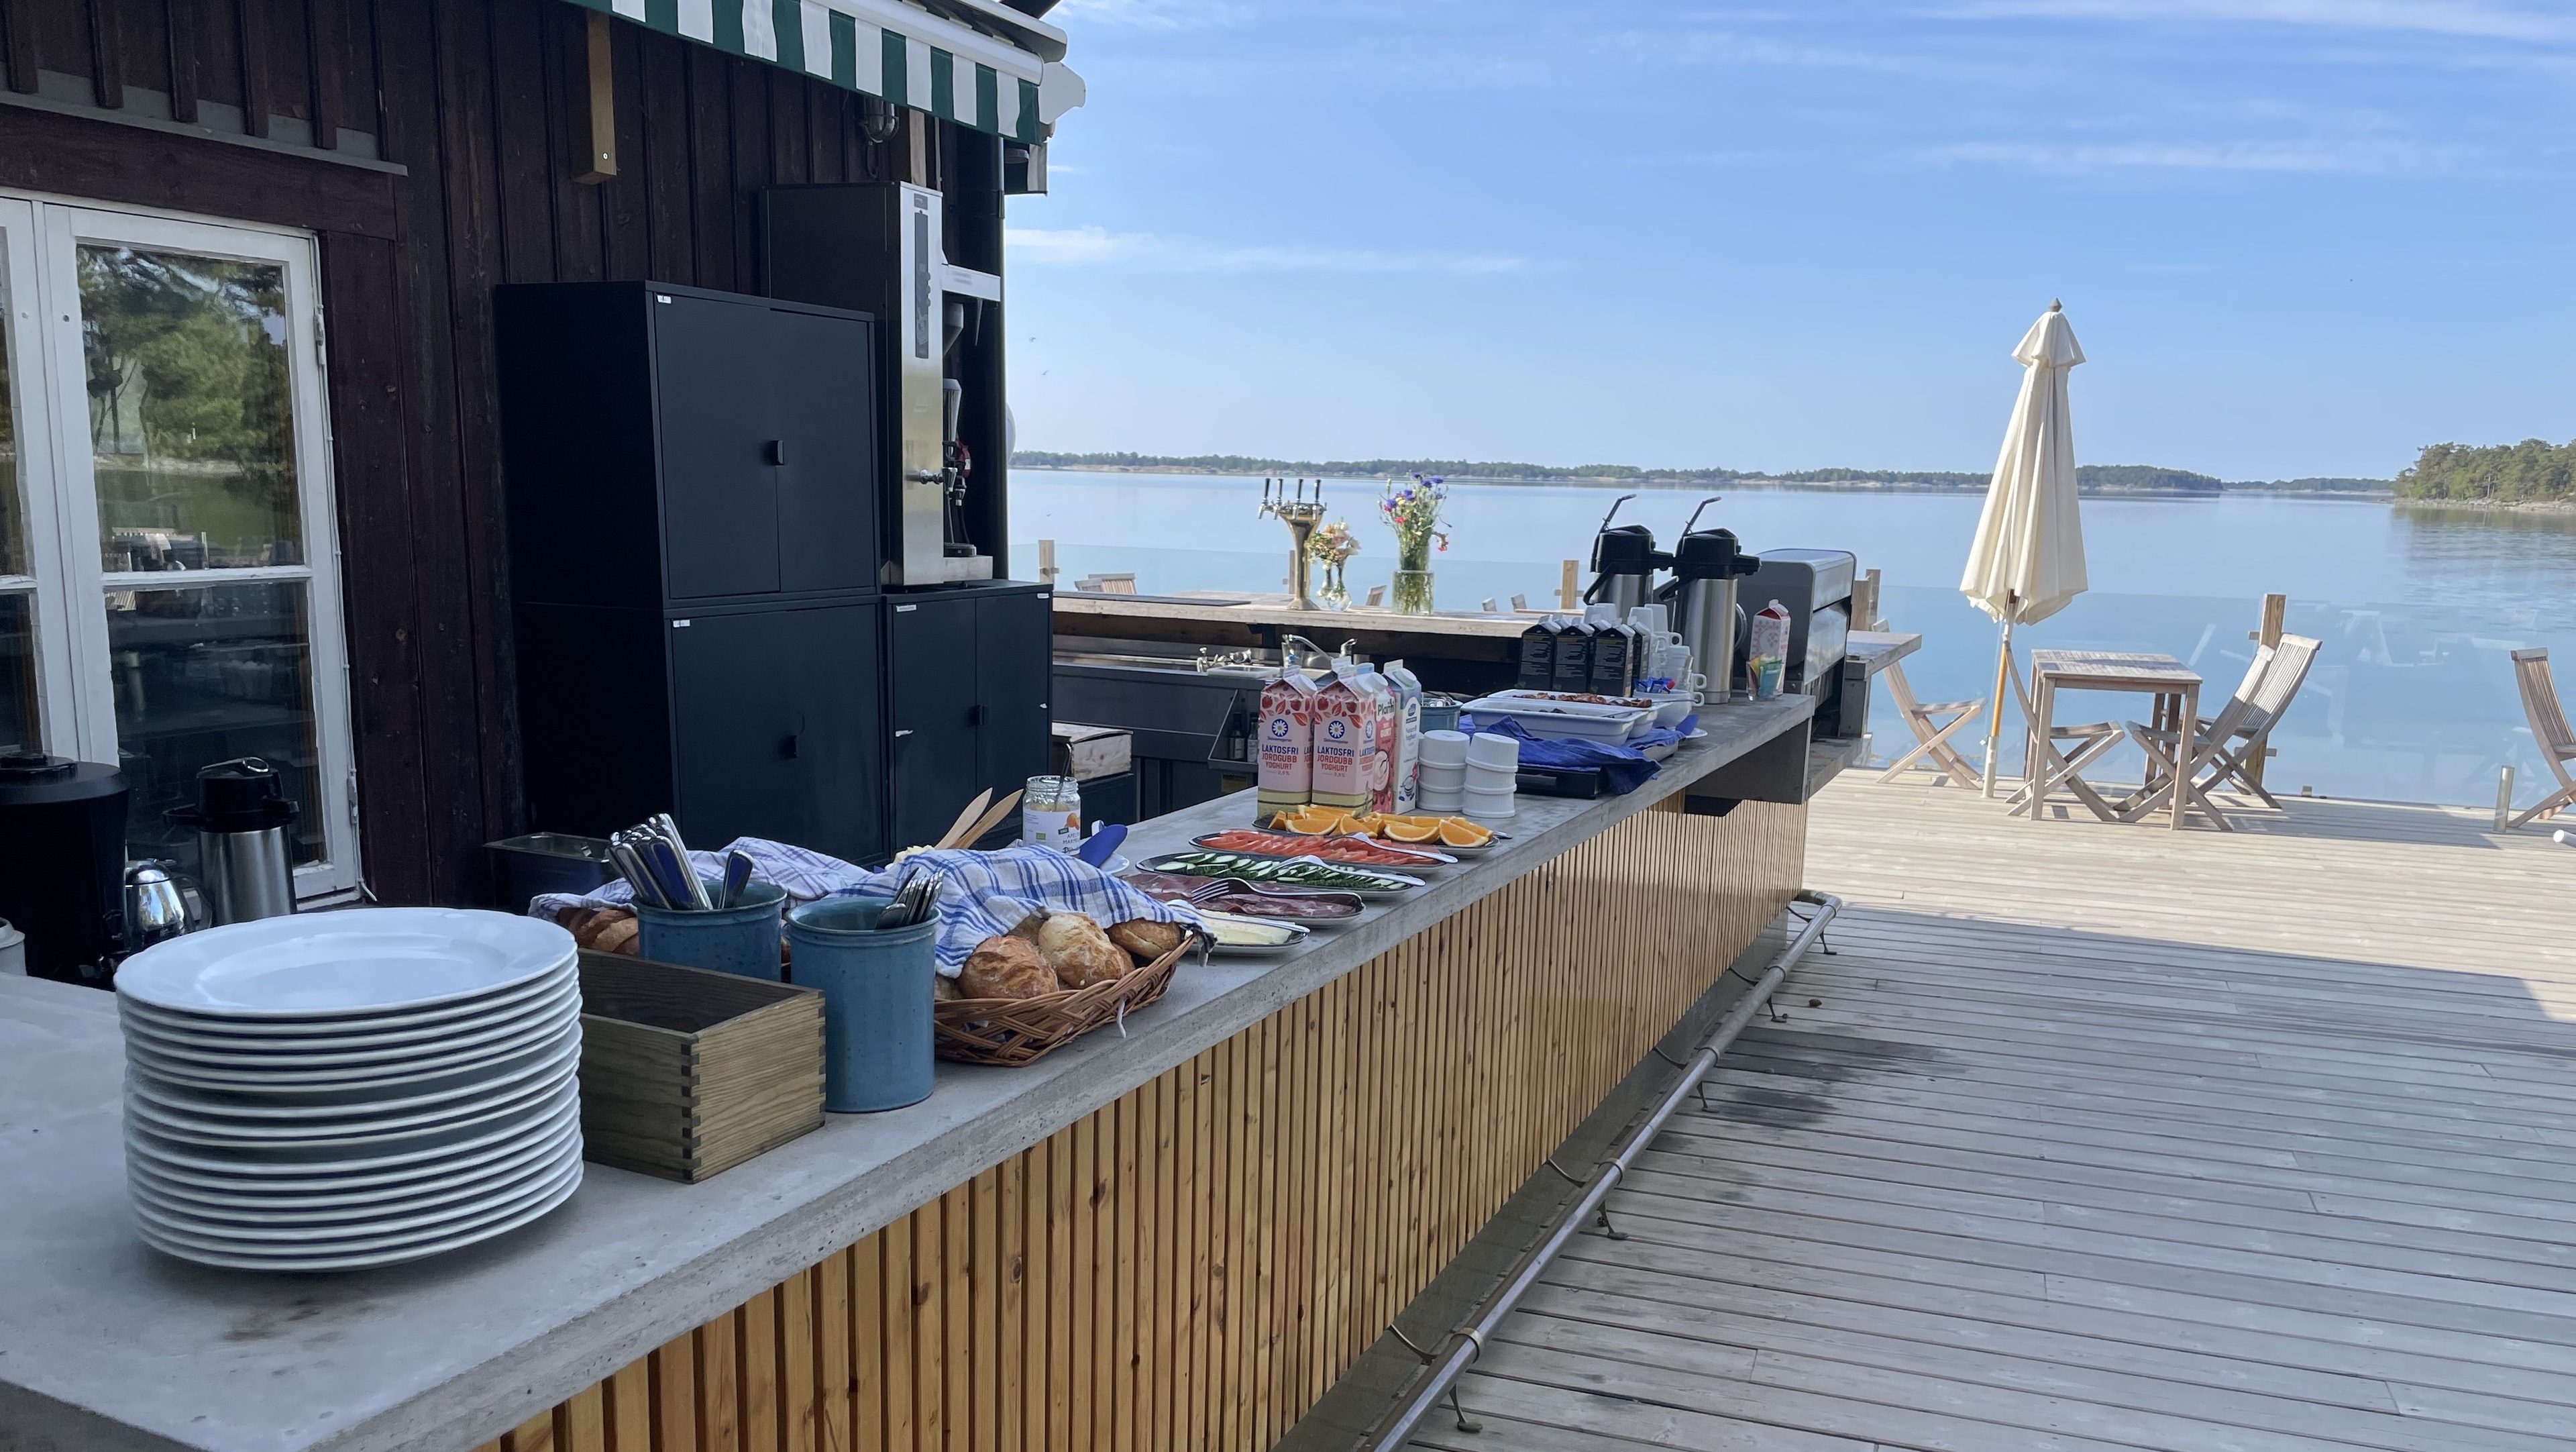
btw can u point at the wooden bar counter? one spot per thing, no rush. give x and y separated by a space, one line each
1172 1239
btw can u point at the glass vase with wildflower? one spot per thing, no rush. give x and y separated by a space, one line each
1412 510
1332 547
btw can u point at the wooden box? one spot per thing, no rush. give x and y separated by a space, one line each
687 1073
1088 753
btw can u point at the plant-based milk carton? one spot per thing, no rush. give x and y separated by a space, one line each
1408 736
1345 740
1287 743
1386 730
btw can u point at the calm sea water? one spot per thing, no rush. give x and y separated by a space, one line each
2412 698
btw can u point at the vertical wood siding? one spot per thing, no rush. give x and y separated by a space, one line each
483 101
1187 1269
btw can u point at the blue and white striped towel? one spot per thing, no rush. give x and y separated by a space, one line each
981 894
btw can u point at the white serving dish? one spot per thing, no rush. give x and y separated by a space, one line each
1560 720
1442 804
1493 752
1672 706
357 961
1437 777
1491 779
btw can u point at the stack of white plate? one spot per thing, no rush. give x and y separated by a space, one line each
350 1089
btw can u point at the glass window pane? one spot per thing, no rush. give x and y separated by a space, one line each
189 409
208 674
13 516
17 673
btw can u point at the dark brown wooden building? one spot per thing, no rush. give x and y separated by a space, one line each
251 248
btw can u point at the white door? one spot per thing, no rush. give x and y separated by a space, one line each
180 561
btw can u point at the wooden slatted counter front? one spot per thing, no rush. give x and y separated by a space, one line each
1175 1241
1191 1266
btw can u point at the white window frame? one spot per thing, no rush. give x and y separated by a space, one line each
59 488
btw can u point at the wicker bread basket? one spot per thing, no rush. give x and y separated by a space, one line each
1012 1032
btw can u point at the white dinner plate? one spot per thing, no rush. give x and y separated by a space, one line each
355 1254
344 1051
294 1156
327 1036
354 1070
351 1176
216 1197
222 1134
497 1080
328 1223
363 1260
360 960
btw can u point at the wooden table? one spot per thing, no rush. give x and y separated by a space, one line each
2176 689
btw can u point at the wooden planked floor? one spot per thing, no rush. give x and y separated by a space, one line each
2096 1137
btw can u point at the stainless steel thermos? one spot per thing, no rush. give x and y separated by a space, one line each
246 865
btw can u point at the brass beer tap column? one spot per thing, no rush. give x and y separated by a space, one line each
1301 514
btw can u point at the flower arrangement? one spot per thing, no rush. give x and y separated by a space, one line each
1332 547
1333 544
1412 509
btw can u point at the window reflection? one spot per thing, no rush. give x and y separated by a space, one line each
13 518
204 675
17 674
190 410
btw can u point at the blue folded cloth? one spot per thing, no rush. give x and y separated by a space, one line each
1623 767
981 894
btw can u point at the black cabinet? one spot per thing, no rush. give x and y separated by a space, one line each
967 677
670 446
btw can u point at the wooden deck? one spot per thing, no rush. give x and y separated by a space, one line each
2097 1137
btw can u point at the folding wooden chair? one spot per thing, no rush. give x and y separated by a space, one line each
2549 731
1932 725
2089 741
2226 745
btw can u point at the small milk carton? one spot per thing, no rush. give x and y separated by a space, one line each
1345 740
1287 743
1408 736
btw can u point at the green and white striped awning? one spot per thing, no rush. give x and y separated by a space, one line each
900 53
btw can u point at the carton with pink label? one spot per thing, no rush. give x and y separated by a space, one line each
1346 726
1287 744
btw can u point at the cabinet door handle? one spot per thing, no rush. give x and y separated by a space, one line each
787 747
975 715
777 452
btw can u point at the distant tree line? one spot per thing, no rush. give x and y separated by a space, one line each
2534 469
2092 478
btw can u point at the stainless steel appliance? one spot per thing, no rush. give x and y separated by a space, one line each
246 864
878 247
1707 564
155 909
1816 586
62 863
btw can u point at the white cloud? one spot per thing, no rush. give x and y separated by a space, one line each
2473 18
1152 252
2368 157
1152 14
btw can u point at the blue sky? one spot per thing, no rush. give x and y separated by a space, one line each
2296 237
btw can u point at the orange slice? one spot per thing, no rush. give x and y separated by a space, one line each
1456 833
1400 830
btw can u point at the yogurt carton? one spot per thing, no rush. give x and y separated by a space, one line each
1386 730
1287 743
1345 741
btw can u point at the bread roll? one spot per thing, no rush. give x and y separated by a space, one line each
1006 967
1146 938
943 989
1081 953
618 936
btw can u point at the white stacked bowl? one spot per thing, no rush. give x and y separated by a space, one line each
1493 774
350 1089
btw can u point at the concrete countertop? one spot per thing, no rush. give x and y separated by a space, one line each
106 1346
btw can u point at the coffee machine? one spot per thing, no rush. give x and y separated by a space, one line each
62 864
1700 599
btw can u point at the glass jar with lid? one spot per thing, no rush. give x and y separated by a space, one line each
1051 813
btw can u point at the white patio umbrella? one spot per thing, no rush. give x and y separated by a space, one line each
2027 560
